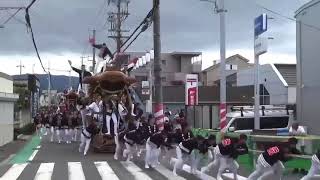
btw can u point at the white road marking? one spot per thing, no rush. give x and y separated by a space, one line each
105 171
34 153
135 171
230 176
187 169
167 173
75 171
14 172
45 171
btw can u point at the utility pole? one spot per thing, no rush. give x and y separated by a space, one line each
70 85
94 51
223 89
260 47
33 65
157 65
150 84
219 9
49 85
119 27
116 19
20 66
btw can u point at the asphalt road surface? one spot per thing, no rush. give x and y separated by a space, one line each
64 162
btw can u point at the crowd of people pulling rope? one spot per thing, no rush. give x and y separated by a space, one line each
108 111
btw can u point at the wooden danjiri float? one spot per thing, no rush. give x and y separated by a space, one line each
113 87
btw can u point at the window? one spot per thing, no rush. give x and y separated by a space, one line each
243 123
164 62
274 122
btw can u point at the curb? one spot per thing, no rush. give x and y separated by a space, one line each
7 160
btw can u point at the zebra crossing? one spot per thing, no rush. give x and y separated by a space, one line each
75 171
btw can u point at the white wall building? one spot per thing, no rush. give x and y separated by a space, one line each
7 99
308 65
279 81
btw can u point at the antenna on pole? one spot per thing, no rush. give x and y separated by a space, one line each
20 66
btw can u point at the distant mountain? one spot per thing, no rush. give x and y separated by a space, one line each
59 82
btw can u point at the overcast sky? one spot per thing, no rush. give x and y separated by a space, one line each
62 28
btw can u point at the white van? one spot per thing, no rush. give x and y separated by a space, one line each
241 118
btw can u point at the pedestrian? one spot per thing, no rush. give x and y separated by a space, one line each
270 161
111 116
74 125
153 146
132 138
224 155
93 108
87 135
66 125
315 167
53 125
151 119
202 152
37 123
297 130
137 111
183 152
59 126
44 122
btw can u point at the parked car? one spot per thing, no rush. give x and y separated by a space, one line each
241 119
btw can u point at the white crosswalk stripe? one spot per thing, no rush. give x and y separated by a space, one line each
45 171
75 171
167 173
135 171
14 172
105 171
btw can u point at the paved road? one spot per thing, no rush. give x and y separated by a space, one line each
63 162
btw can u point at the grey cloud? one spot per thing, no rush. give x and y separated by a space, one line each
62 25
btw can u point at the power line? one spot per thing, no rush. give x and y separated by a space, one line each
144 22
12 16
144 28
150 14
15 18
286 17
28 21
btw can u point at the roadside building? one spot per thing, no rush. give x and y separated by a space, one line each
174 66
234 64
28 87
206 113
7 100
308 65
277 83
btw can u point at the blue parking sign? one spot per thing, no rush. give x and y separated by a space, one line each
260 24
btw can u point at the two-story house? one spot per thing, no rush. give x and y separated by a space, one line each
234 64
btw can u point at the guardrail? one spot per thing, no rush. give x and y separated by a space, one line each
248 161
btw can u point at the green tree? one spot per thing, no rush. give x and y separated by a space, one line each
24 96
